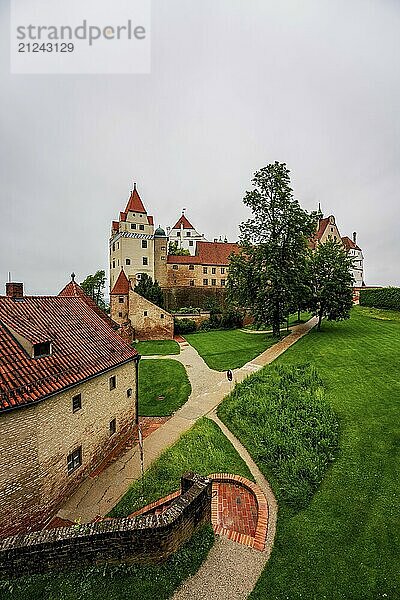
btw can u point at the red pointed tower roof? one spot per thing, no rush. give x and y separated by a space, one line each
122 285
134 203
183 220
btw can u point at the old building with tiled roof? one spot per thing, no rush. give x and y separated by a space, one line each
68 392
185 235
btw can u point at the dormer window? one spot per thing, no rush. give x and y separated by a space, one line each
42 349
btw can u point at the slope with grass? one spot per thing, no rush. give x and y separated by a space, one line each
345 544
163 377
230 348
161 347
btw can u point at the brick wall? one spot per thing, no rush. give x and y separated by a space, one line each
36 440
143 539
149 322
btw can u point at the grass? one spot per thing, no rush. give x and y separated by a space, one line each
230 348
162 377
153 347
203 449
282 417
116 582
345 544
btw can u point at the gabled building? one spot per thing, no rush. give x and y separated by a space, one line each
68 397
185 235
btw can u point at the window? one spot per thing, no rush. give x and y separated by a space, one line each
205 281
205 270
118 262
223 282
162 316
121 299
145 313
188 234
113 247
74 460
141 227
145 260
213 270
175 267
178 234
133 225
117 245
192 282
190 242
127 261
213 282
191 267
331 228
113 382
163 248
42 349
163 258
144 243
120 315
129 392
113 427
113 264
222 271
76 402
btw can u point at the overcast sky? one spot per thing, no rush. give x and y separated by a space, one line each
234 85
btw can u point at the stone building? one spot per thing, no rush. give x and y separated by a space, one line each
185 235
68 397
138 318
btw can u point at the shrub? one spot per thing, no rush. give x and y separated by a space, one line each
184 325
381 298
231 319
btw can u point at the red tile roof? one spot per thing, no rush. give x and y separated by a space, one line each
122 285
134 203
115 226
73 290
150 220
83 346
349 244
183 220
207 253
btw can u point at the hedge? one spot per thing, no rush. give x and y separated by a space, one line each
381 298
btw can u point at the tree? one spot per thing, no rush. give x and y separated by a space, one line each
331 282
150 290
267 274
175 251
93 286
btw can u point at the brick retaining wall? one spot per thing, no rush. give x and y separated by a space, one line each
142 539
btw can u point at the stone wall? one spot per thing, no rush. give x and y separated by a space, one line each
36 440
199 297
143 539
198 318
191 275
149 322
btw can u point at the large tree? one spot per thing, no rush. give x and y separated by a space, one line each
331 282
93 286
174 250
150 290
268 274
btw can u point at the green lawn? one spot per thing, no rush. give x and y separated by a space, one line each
162 377
154 347
230 348
345 545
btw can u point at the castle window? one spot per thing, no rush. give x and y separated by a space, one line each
205 270
178 234
145 313
190 242
163 258
223 282
191 267
133 225
118 262
120 315
163 248
42 349
213 270
188 234
113 247
129 392
113 264
113 427
192 282
213 282
145 260
162 316
205 281
117 245
76 403
74 460
222 271
121 299
113 382
175 267
144 243
141 227
127 261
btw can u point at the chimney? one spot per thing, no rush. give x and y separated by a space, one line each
355 237
14 290
215 240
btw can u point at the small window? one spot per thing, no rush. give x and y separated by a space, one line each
118 262
120 315
141 227
43 349
190 242
145 313
191 267
129 392
113 264
113 427
205 270
145 260
331 228
121 299
223 282
113 382
76 402
178 234
175 267
213 270
74 460
163 248
205 281
188 234
162 316
144 243
192 282
113 247
163 258
213 282
127 261
222 271
133 225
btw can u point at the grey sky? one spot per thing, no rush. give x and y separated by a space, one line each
235 84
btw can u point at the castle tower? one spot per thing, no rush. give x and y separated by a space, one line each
132 242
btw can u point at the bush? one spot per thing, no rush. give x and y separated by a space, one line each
184 326
381 298
283 419
231 319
